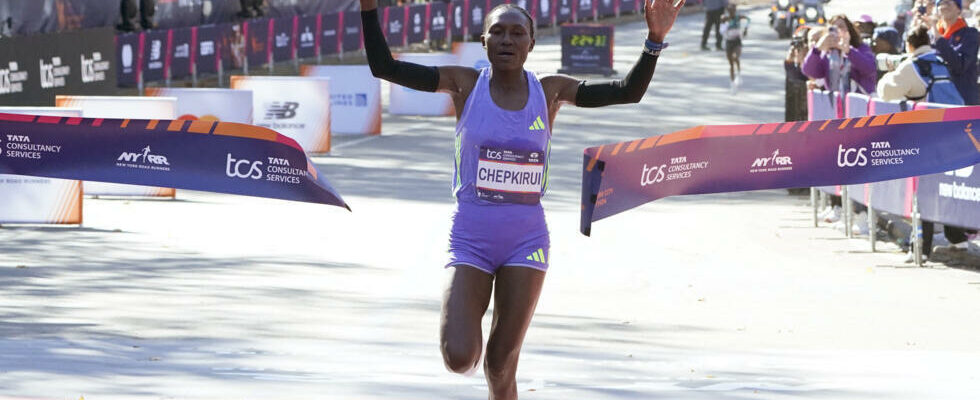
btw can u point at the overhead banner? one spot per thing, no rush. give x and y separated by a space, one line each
563 11
129 51
295 106
714 159
418 20
34 69
407 101
352 40
156 53
394 25
457 17
330 34
306 30
283 43
355 98
123 107
221 157
438 21
36 200
209 104
206 49
258 35
182 44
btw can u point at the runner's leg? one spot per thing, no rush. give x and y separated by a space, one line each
464 303
516 296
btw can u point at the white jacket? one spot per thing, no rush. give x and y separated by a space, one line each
904 82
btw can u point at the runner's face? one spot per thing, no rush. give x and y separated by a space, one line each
508 39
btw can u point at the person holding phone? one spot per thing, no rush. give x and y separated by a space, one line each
841 57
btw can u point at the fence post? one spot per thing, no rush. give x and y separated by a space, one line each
813 202
845 203
916 230
872 221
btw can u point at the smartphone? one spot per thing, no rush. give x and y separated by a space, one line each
922 10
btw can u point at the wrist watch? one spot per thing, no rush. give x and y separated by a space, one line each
653 48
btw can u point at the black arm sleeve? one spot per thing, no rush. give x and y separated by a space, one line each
628 90
415 76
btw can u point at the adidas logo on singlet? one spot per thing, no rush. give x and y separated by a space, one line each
538 125
537 256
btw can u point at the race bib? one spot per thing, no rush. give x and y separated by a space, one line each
509 176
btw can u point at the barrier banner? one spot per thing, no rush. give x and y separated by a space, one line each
952 197
221 157
586 49
33 69
584 10
122 107
352 40
563 11
457 17
206 49
128 57
181 50
544 12
283 35
296 106
355 98
258 46
231 45
33 200
438 21
329 34
209 104
306 31
394 25
156 52
629 6
407 101
605 8
713 159
475 10
418 19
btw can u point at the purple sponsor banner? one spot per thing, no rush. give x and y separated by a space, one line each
629 6
438 21
352 40
714 159
457 18
491 4
416 27
329 34
231 45
475 11
951 198
206 49
544 12
563 11
181 51
155 51
218 157
893 196
306 36
283 38
605 8
585 10
393 24
257 43
128 57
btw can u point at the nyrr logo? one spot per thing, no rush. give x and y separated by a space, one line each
773 160
243 168
851 157
144 157
281 110
652 175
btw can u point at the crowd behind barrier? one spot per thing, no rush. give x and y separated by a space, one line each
285 35
951 198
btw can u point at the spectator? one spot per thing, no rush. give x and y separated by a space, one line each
796 108
919 75
251 9
887 40
713 9
957 44
840 57
129 9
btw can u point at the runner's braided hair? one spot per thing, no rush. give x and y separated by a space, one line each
504 8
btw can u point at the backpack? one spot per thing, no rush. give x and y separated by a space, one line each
939 87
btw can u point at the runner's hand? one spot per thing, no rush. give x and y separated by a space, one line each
660 16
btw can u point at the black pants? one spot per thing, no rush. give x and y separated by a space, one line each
953 234
712 18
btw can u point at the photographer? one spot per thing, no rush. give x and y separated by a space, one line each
796 107
841 56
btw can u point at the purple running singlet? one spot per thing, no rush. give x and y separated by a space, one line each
501 172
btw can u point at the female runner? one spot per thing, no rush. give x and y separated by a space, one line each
504 116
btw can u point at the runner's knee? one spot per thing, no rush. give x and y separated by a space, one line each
460 357
501 362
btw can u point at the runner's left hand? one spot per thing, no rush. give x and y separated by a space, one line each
660 16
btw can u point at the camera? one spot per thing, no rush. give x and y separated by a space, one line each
921 10
888 62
